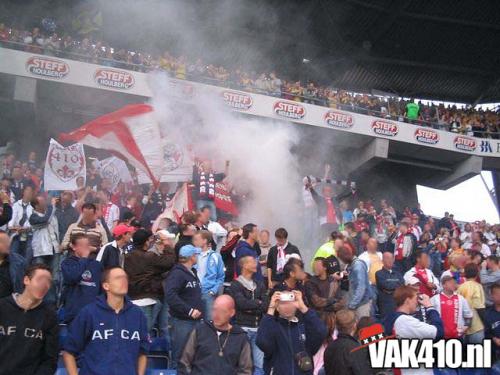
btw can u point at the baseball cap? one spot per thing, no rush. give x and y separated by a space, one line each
121 229
188 251
141 236
166 233
412 280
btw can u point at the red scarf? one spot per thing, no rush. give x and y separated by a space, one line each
331 216
421 275
399 247
449 315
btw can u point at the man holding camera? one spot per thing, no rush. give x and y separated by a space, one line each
289 342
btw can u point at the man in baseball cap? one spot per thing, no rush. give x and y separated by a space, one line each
113 253
183 293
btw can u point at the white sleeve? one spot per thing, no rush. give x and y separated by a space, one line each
466 310
435 281
408 274
436 302
408 327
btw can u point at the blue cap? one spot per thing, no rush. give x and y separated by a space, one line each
188 251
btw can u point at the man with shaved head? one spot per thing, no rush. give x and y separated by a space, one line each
217 347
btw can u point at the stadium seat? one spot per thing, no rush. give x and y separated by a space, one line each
160 345
61 371
160 372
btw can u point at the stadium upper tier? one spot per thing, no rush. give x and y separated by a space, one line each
465 121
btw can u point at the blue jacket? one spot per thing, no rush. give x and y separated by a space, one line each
359 286
277 336
433 318
387 282
17 265
82 284
108 343
214 275
182 292
244 249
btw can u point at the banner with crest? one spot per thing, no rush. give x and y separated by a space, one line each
65 167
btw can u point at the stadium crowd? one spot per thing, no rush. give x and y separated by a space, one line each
97 265
468 121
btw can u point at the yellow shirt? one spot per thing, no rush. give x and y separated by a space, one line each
375 265
473 292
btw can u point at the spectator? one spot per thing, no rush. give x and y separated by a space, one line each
204 179
87 224
183 295
412 111
278 256
6 209
489 275
466 236
403 325
404 245
372 258
210 271
301 336
319 358
327 211
339 358
429 284
360 294
250 234
12 266
19 183
387 280
453 309
65 213
185 238
19 225
113 254
294 278
251 303
492 322
34 353
473 292
227 253
81 277
110 333
217 347
265 246
146 271
323 288
110 211
45 241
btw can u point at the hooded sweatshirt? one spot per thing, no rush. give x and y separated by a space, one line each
28 339
82 284
110 342
244 249
182 292
277 337
201 352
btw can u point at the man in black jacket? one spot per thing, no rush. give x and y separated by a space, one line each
217 347
251 303
187 232
28 327
277 257
6 213
338 358
183 296
65 212
113 253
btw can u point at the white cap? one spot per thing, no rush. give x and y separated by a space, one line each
165 233
412 280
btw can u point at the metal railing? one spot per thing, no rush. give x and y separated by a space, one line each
320 101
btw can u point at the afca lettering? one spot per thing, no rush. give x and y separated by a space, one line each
107 333
30 333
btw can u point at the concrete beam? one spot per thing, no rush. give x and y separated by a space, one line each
462 171
25 89
368 157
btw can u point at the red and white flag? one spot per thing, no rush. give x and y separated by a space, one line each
64 166
180 203
132 133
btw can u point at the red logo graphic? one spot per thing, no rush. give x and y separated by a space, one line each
464 143
117 79
237 100
66 162
371 335
428 136
339 119
290 110
46 67
385 128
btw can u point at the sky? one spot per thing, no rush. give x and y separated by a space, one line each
468 201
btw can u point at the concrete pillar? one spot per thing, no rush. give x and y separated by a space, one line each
375 151
462 171
25 89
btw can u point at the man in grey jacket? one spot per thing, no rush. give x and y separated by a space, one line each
489 275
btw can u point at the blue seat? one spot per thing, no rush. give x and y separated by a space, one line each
160 372
159 344
158 361
61 371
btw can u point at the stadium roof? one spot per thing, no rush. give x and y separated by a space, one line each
448 50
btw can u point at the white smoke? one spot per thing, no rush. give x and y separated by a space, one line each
259 150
